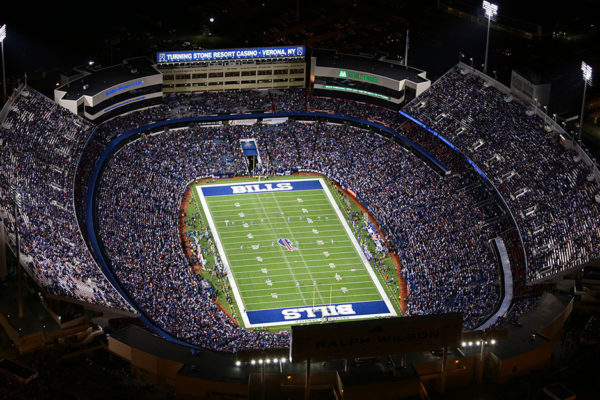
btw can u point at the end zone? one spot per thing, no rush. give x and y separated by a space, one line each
302 313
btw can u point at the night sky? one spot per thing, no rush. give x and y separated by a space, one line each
45 39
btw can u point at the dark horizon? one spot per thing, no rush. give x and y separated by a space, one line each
45 40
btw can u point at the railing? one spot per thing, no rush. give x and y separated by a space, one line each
549 122
7 106
481 173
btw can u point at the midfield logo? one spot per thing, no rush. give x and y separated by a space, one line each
287 243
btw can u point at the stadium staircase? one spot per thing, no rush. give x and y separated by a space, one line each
272 102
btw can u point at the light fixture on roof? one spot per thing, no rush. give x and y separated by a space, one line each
587 73
2 37
491 10
587 80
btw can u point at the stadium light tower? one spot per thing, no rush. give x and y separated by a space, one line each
587 80
2 37
491 10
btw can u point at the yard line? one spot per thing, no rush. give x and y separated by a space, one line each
223 201
263 250
293 239
352 285
229 230
268 304
268 234
228 211
338 267
298 261
324 272
304 234
274 227
284 255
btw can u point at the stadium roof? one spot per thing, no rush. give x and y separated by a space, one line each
375 64
95 82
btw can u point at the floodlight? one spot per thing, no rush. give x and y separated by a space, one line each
2 37
464 344
587 80
253 362
493 342
587 72
238 363
491 10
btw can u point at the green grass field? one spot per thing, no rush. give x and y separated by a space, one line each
289 249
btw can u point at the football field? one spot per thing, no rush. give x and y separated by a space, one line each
289 253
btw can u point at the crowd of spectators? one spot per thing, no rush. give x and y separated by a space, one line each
41 143
432 221
439 225
138 202
546 186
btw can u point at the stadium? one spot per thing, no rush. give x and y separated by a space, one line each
227 199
